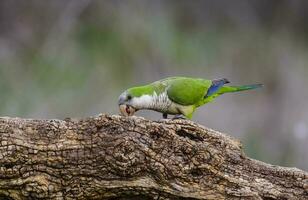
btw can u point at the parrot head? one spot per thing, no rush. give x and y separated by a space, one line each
126 104
134 99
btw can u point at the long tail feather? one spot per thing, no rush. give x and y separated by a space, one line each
225 89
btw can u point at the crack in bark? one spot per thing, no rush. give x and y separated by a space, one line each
113 157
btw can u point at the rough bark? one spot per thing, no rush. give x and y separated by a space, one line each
113 157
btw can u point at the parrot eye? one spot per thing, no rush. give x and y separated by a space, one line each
129 97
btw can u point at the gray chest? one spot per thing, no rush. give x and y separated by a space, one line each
161 102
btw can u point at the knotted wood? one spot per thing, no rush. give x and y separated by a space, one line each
113 157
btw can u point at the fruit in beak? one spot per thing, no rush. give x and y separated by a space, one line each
127 110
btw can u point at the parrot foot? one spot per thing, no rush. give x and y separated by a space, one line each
179 117
165 115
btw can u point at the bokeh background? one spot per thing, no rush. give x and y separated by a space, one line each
73 58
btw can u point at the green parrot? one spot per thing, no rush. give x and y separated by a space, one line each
179 96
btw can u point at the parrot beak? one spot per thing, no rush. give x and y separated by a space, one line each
127 110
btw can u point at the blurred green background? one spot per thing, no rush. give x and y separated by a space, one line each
73 58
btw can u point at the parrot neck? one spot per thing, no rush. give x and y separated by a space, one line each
156 102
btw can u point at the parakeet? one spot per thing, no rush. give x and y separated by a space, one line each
179 96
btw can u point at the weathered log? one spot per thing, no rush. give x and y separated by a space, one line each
113 157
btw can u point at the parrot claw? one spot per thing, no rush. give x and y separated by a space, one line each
179 117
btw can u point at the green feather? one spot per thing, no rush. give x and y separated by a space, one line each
187 91
142 90
226 89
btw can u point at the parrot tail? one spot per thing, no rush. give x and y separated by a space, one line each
226 89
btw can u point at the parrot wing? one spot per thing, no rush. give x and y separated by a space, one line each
187 91
215 86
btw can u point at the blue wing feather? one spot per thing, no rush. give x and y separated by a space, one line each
216 85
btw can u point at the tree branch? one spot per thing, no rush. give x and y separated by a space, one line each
113 157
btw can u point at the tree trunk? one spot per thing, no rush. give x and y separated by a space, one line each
113 157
